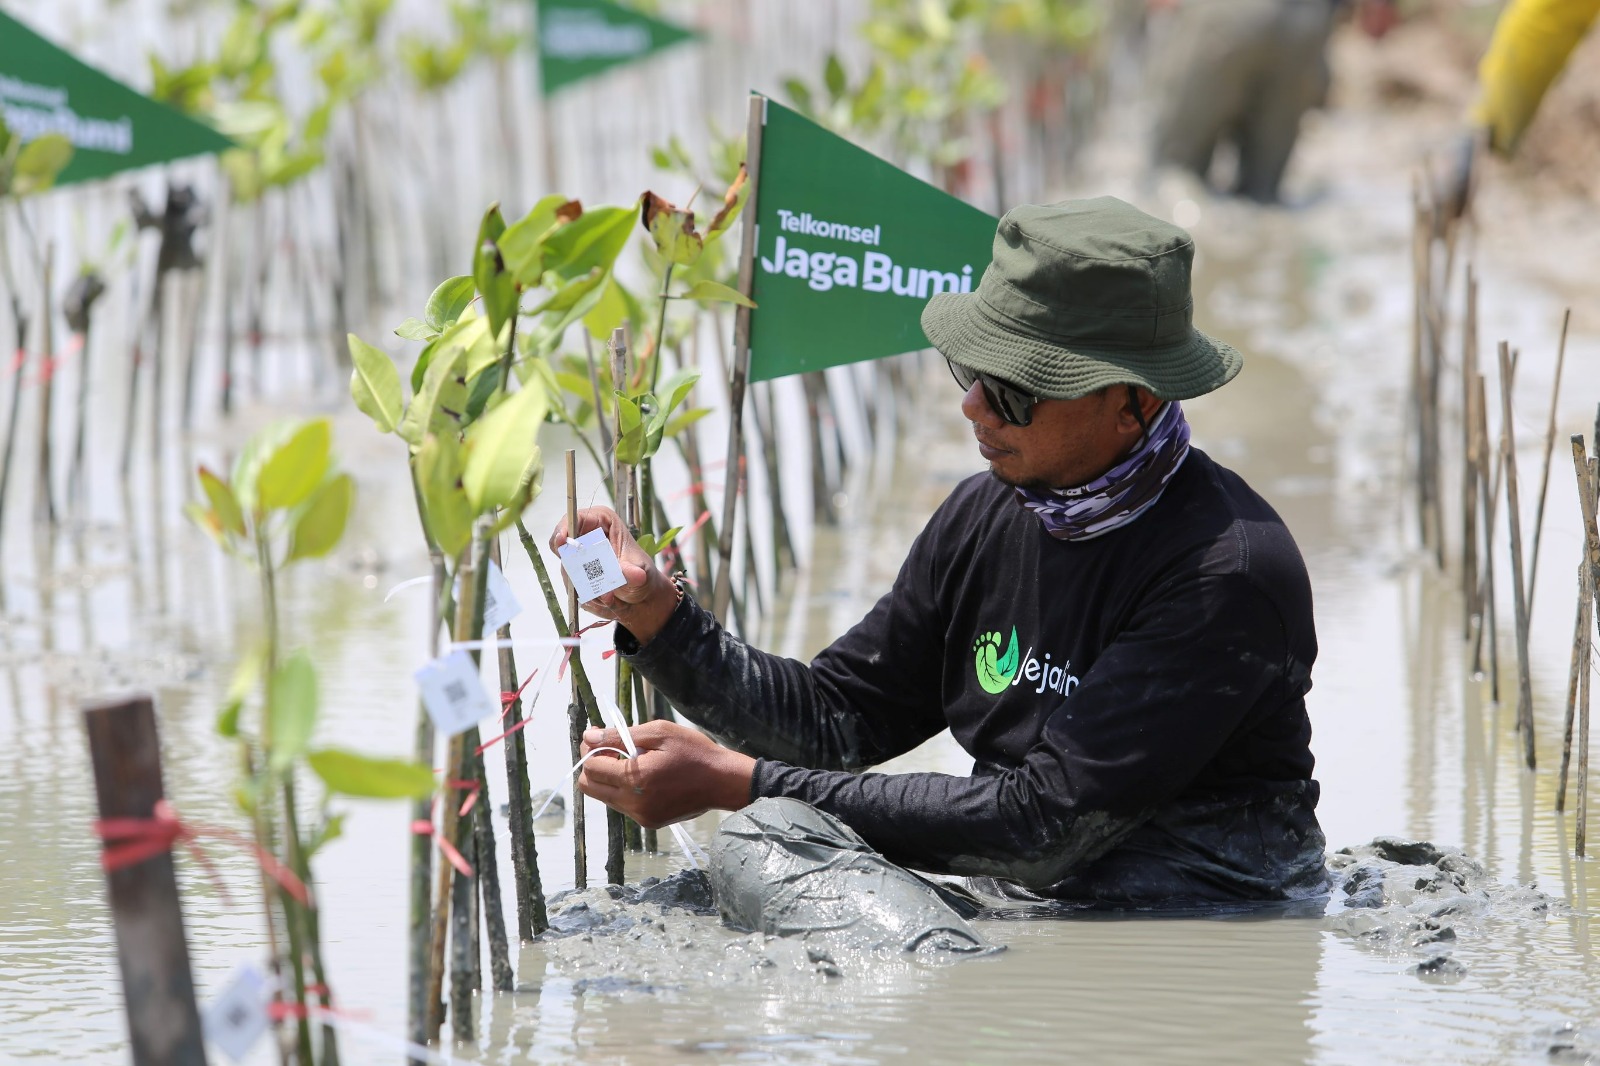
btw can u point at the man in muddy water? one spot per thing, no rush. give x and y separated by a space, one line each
1116 628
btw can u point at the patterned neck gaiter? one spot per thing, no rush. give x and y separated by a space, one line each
1122 493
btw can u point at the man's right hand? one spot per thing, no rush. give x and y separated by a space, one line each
647 599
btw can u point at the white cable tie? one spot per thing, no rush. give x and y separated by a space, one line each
374 1035
574 769
613 718
406 584
495 643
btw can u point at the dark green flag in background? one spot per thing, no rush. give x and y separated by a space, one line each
112 128
580 38
848 250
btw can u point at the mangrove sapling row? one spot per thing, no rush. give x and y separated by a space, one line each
26 169
285 502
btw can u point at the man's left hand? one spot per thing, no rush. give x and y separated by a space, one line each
678 774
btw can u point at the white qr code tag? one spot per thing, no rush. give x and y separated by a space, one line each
235 1020
500 605
591 565
453 693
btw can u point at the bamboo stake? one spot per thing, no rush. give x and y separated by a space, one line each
532 918
1588 482
44 492
423 1012
577 721
1575 680
1490 615
755 121
1508 448
1549 449
1469 448
622 476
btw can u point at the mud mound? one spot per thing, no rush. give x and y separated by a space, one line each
1413 898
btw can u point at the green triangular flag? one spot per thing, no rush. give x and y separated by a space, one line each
580 38
44 89
848 250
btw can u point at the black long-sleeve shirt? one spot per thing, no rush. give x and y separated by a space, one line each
1134 703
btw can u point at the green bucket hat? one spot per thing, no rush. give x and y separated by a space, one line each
1080 295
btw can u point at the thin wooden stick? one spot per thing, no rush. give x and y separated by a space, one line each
1580 636
1489 615
1469 468
1508 448
1587 486
1549 449
722 590
577 720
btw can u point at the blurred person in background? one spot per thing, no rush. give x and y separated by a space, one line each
1532 42
1243 72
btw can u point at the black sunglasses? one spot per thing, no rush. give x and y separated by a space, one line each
1006 400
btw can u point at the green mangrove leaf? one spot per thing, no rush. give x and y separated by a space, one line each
799 95
675 388
528 487
208 522
544 338
593 239
321 524
672 229
39 162
350 774
293 471
654 545
522 244
498 446
684 420
483 350
414 329
331 829
833 77
246 675
568 295
448 301
631 431
291 710
224 505
497 287
609 311
482 389
442 398
444 504
375 384
706 291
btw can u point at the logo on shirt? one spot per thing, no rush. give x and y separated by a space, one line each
996 668
999 670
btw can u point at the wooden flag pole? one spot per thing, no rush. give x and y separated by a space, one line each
733 473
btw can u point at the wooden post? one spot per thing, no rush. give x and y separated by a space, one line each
1470 593
577 718
157 985
732 473
44 491
627 497
1508 449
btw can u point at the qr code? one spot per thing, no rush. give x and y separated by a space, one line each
594 569
455 692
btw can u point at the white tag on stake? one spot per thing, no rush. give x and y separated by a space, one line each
235 1020
500 604
453 693
591 565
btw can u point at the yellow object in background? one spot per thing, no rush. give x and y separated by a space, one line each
1532 41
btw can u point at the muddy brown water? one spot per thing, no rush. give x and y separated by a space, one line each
1407 743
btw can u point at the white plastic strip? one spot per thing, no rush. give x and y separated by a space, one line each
406 584
373 1035
609 714
574 769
